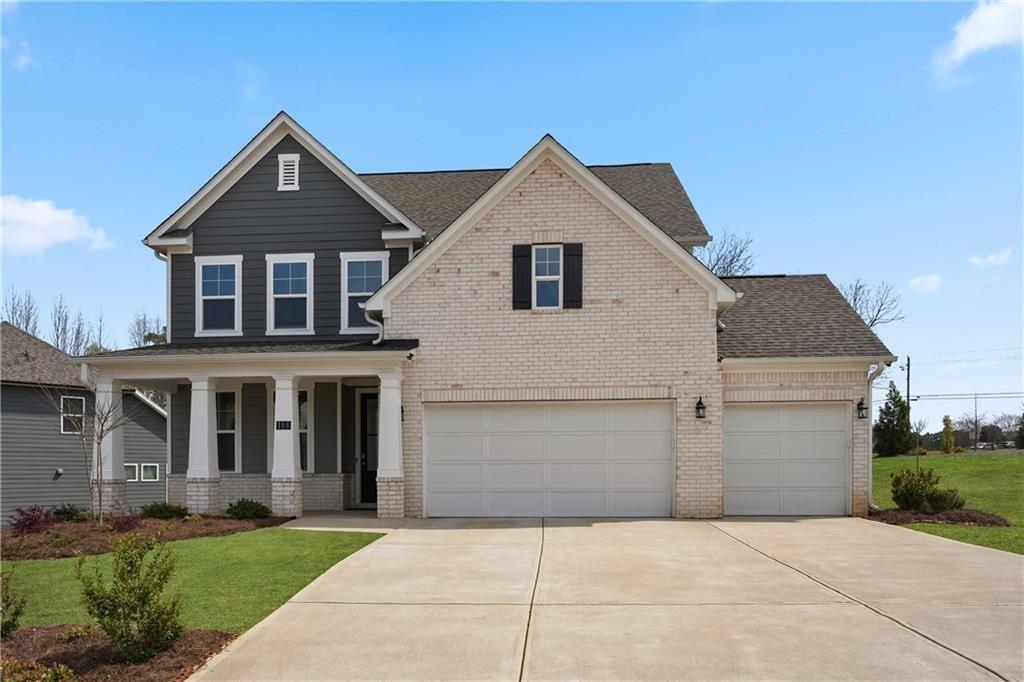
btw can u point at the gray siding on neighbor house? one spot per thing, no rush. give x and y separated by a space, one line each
325 428
325 216
181 402
254 428
32 448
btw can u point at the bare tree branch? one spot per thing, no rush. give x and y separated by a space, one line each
145 330
920 427
729 255
21 310
876 305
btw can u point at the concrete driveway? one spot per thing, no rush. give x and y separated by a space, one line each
647 599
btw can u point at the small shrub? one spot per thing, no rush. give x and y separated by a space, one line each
244 508
959 449
82 517
67 512
59 540
922 452
122 523
164 510
75 633
31 519
945 499
16 670
191 518
131 608
11 607
919 491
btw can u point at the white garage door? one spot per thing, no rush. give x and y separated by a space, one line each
787 459
595 458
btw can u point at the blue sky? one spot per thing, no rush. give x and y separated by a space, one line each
875 140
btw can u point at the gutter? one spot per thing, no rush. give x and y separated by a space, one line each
872 375
379 324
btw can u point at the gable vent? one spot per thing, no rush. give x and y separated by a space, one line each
287 172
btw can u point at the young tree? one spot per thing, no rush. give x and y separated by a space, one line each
21 310
1020 433
948 436
146 331
892 432
68 331
728 256
876 305
1007 423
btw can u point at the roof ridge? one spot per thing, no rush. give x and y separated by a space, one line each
502 170
779 276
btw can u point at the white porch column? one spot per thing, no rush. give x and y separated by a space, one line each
202 481
286 471
390 476
108 454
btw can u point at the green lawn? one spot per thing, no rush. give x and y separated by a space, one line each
226 583
990 482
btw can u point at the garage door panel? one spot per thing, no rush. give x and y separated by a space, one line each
815 418
642 444
815 446
515 475
814 474
447 420
514 502
515 446
577 446
457 503
579 503
649 503
457 475
753 474
639 416
814 502
742 418
753 446
512 417
448 447
579 474
580 417
639 474
753 502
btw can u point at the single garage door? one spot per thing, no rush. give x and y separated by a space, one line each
787 459
593 458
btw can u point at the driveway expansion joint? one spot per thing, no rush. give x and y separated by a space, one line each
533 600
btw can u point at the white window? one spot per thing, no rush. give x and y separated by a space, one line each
229 445
218 296
287 172
362 273
72 414
131 472
547 276
304 414
150 472
290 293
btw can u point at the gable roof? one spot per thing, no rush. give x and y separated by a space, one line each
26 359
719 294
434 199
794 316
282 125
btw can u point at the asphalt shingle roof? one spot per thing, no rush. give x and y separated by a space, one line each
25 359
433 200
794 316
260 347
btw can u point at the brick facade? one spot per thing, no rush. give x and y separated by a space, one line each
114 494
319 492
390 498
323 492
286 496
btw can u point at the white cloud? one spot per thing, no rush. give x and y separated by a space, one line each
990 24
992 260
32 226
23 59
8 6
252 79
926 284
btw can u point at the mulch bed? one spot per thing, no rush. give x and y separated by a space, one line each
93 657
78 539
960 517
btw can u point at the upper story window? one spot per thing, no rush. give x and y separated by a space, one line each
287 172
362 273
290 293
72 414
218 296
547 276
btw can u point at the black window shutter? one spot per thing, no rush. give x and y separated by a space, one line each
572 256
521 299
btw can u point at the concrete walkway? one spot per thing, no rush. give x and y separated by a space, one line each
647 599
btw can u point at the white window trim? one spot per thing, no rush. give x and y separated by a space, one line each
273 258
64 414
142 473
281 160
218 260
135 476
346 257
237 430
534 277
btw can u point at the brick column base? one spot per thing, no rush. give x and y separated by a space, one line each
115 495
202 495
390 498
286 496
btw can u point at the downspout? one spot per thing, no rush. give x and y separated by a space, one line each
872 375
379 324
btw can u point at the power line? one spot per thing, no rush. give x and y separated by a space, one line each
979 350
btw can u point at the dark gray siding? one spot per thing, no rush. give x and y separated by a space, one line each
181 402
348 429
145 442
253 219
254 429
325 428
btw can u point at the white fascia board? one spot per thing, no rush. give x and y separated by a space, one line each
145 400
810 364
281 126
720 294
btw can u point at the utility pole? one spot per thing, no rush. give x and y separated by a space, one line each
975 421
908 388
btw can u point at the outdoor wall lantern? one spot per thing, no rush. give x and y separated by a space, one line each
862 410
700 409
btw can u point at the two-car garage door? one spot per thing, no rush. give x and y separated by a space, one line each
593 458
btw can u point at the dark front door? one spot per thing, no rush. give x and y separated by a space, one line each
368 448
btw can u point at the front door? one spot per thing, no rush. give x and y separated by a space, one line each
368 424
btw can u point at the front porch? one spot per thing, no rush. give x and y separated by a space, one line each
297 432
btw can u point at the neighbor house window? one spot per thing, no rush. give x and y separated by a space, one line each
547 276
218 296
290 293
150 472
72 414
131 472
362 273
227 436
304 430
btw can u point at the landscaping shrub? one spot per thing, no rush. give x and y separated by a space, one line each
922 452
69 512
244 508
15 670
74 633
122 523
11 607
193 517
959 450
131 608
164 510
31 519
919 491
944 499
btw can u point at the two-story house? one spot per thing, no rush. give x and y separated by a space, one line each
537 340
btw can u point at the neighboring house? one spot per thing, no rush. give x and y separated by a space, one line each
42 461
537 340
